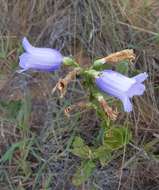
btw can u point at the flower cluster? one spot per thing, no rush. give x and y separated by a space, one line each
108 81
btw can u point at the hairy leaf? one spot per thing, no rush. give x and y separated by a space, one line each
84 172
80 149
117 137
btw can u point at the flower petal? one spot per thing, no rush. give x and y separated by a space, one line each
26 45
47 53
127 104
24 60
108 88
28 61
117 80
140 77
21 70
136 89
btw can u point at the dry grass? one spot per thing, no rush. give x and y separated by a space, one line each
87 30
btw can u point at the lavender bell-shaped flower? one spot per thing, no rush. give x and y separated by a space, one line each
45 59
120 86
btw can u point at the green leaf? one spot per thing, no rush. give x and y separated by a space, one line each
9 153
12 108
78 142
122 67
117 137
24 112
80 149
103 154
25 167
84 172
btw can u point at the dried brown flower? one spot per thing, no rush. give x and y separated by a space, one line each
63 83
127 54
78 105
112 114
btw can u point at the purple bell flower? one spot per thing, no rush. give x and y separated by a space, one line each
121 87
45 59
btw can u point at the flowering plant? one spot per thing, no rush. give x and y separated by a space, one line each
98 82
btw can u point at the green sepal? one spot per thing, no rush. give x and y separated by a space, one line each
98 62
92 73
68 61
